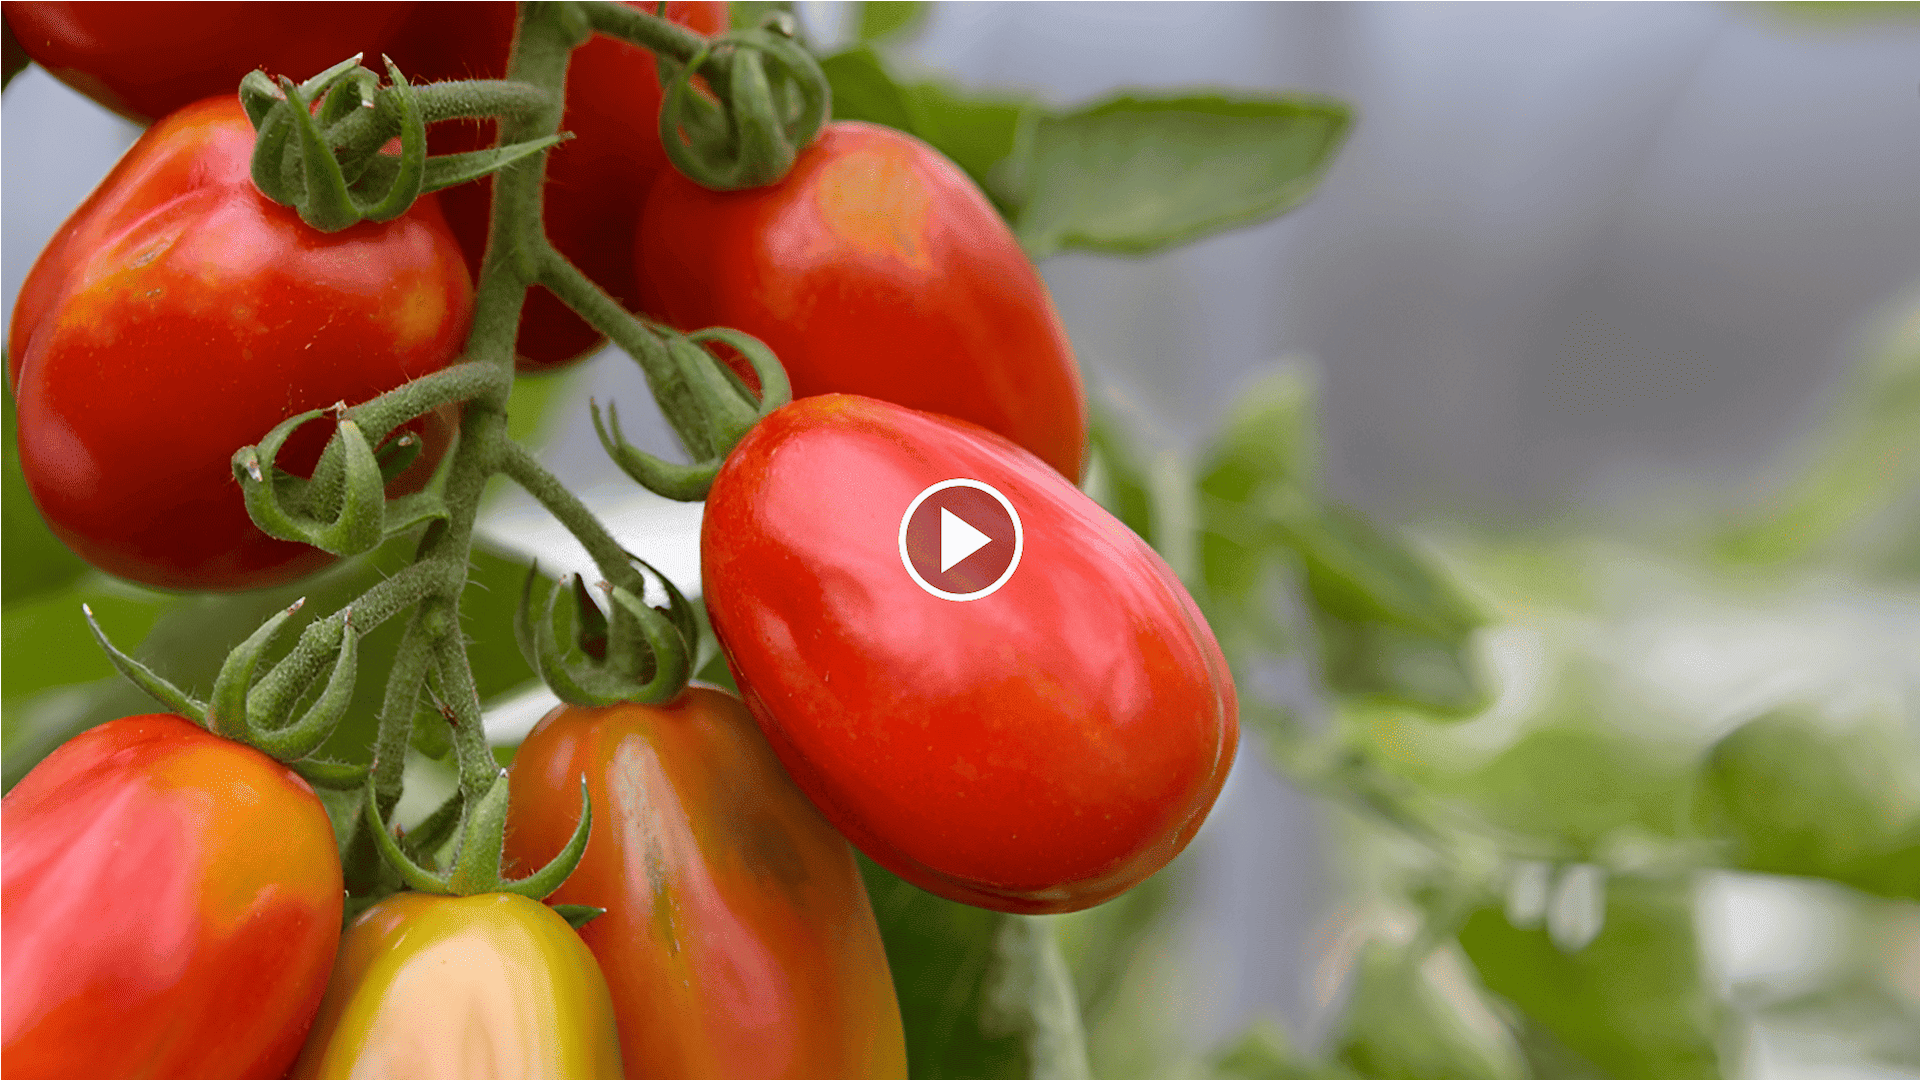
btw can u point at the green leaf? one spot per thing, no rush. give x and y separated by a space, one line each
890 18
1405 1021
1361 573
1856 495
1270 437
1134 175
1117 479
1632 1001
983 995
982 135
1579 785
1798 798
1393 628
1383 664
33 562
864 90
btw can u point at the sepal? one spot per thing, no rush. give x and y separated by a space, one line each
644 653
144 677
712 410
775 101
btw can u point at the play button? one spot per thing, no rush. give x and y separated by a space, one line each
960 539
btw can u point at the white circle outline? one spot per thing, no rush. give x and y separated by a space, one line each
1019 539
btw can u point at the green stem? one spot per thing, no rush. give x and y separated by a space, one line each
461 382
542 45
519 466
404 680
634 26
367 130
478 769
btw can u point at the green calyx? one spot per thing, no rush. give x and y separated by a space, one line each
343 508
319 145
709 407
476 864
257 708
764 101
763 97
632 652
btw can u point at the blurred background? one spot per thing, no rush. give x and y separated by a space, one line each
1613 308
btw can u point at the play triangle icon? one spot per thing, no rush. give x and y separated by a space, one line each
958 539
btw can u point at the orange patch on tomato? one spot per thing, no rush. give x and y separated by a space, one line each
877 203
418 316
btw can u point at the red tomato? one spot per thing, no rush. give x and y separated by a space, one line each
738 941
1042 747
875 268
144 60
596 181
178 316
169 907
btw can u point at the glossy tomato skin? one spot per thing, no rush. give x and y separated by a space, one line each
738 940
875 268
462 988
169 907
596 181
144 60
1038 749
178 316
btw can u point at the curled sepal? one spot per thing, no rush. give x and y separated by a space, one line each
682 483
476 869
144 677
412 873
319 188
666 643
227 709
773 103
711 409
304 736
660 651
280 503
775 389
275 161
333 775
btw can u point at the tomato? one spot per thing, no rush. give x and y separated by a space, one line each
484 986
178 316
1042 747
738 940
875 268
169 907
145 60
596 181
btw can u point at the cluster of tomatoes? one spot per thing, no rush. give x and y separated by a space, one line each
1038 749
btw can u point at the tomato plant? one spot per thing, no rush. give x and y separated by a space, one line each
596 181
1041 748
875 268
169 906
177 283
487 985
146 60
738 941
